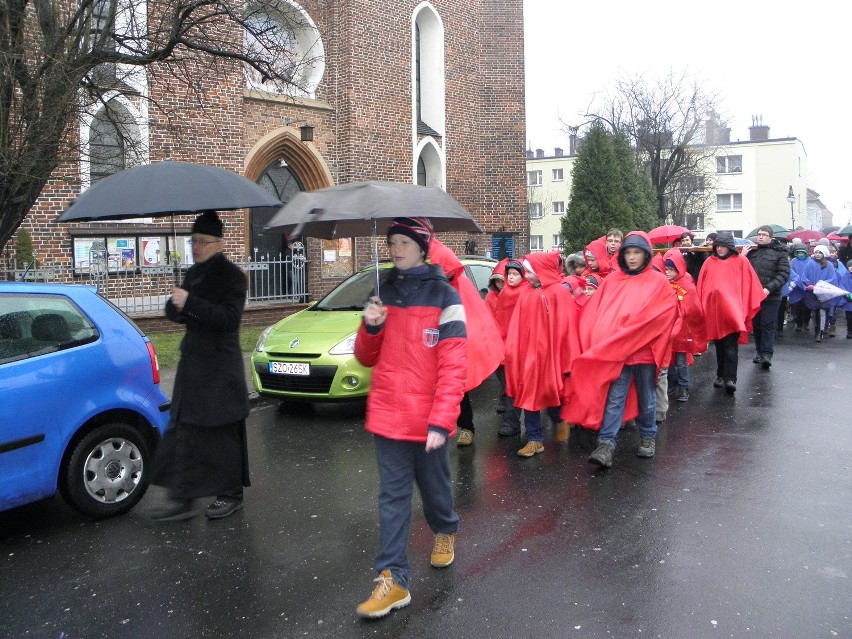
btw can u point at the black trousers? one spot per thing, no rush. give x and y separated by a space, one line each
466 415
765 324
727 356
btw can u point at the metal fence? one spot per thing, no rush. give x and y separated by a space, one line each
144 290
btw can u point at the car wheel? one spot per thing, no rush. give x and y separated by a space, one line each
107 472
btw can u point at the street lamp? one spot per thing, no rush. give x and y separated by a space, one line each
791 198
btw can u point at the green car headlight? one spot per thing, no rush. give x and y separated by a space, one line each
346 347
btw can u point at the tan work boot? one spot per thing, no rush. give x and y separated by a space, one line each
443 551
465 437
563 430
532 448
387 595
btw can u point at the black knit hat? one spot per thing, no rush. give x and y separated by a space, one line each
515 264
418 229
208 223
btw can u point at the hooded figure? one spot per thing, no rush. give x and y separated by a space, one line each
496 283
509 297
690 338
540 345
596 254
730 291
731 294
625 336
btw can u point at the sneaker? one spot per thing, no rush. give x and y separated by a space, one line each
563 431
718 383
387 595
532 448
832 330
465 437
508 431
647 447
758 359
819 337
683 395
171 509
223 507
443 551
766 364
730 387
602 455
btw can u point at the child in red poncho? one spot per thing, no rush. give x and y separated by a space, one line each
597 259
690 340
731 294
541 342
516 285
625 334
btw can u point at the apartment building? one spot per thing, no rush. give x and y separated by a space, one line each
750 180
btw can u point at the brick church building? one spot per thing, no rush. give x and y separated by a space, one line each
423 92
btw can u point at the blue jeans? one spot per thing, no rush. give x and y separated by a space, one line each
645 378
532 421
401 464
681 370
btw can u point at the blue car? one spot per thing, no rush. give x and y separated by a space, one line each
81 409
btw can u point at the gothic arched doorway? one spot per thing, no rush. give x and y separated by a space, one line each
277 269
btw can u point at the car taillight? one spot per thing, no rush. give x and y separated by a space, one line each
155 365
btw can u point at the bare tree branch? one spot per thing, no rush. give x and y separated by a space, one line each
63 60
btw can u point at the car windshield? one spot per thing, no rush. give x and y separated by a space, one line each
351 295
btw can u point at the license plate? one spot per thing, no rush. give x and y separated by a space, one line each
289 368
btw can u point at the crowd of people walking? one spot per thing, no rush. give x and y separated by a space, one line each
594 341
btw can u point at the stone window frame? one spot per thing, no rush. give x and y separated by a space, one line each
309 63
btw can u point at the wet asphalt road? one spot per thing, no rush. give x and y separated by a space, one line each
740 527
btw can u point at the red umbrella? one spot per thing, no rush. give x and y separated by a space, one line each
806 235
667 233
834 237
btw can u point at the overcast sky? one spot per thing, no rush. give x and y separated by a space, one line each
789 63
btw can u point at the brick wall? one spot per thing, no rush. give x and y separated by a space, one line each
362 119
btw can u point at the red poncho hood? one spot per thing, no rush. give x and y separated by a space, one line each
547 266
598 249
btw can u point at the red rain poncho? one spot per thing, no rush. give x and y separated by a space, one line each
485 349
628 314
730 294
542 338
690 338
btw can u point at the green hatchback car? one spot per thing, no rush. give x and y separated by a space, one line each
309 356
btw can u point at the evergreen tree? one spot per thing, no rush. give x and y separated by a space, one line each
598 200
24 254
638 189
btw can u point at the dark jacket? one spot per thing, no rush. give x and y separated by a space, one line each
210 387
772 265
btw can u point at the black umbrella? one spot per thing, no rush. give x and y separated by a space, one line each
368 208
166 188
